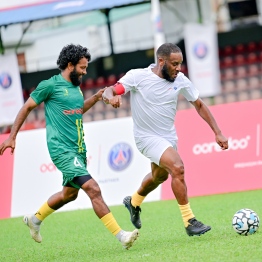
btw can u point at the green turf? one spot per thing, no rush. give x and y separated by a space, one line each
80 236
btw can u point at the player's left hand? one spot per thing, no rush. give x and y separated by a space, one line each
99 94
222 141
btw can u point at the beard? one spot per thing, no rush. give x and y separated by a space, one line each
165 74
75 78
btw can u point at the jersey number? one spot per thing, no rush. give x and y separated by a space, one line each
76 162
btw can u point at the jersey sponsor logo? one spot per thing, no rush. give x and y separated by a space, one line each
200 50
233 144
120 156
65 92
47 168
78 111
5 80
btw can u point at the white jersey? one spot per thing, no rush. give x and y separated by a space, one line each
154 101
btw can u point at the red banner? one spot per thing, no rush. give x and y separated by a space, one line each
6 177
209 170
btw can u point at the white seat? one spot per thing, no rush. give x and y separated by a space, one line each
110 114
230 98
219 99
121 113
243 96
255 94
98 116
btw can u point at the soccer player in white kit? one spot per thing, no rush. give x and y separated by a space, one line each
154 93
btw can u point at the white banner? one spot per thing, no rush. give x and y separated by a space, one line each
202 58
113 161
11 96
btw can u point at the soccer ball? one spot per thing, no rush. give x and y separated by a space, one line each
245 222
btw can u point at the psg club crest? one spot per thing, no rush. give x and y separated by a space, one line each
120 156
200 50
5 80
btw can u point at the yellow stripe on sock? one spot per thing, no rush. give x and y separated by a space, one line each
44 211
186 213
137 200
111 224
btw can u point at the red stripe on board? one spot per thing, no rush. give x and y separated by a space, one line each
6 178
29 5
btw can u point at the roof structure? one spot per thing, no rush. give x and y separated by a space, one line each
56 8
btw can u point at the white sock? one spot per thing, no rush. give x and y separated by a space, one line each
35 220
120 234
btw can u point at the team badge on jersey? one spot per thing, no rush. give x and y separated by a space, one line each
120 156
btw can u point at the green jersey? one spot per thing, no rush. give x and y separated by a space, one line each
63 110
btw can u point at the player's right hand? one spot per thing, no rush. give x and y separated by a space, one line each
115 101
8 143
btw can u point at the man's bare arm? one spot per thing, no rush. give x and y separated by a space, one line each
29 105
206 114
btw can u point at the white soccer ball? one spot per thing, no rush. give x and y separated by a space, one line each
245 222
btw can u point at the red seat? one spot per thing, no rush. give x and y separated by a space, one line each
239 60
89 83
184 69
121 75
252 58
227 50
240 49
227 62
111 80
100 82
251 47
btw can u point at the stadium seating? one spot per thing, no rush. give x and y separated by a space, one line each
240 71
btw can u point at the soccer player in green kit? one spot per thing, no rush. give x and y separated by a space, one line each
64 107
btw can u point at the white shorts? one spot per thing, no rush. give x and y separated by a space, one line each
153 147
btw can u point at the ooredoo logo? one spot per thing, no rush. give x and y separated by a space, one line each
47 168
233 144
5 80
120 156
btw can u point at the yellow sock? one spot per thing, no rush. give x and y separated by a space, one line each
44 211
137 200
186 213
111 224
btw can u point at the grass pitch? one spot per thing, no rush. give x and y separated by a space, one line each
80 236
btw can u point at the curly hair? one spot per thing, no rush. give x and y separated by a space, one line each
72 53
166 49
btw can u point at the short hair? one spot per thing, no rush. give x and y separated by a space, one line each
166 49
72 53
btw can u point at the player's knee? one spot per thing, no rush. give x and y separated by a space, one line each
160 177
93 191
70 197
178 171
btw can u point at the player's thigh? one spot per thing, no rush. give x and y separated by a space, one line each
153 147
171 160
